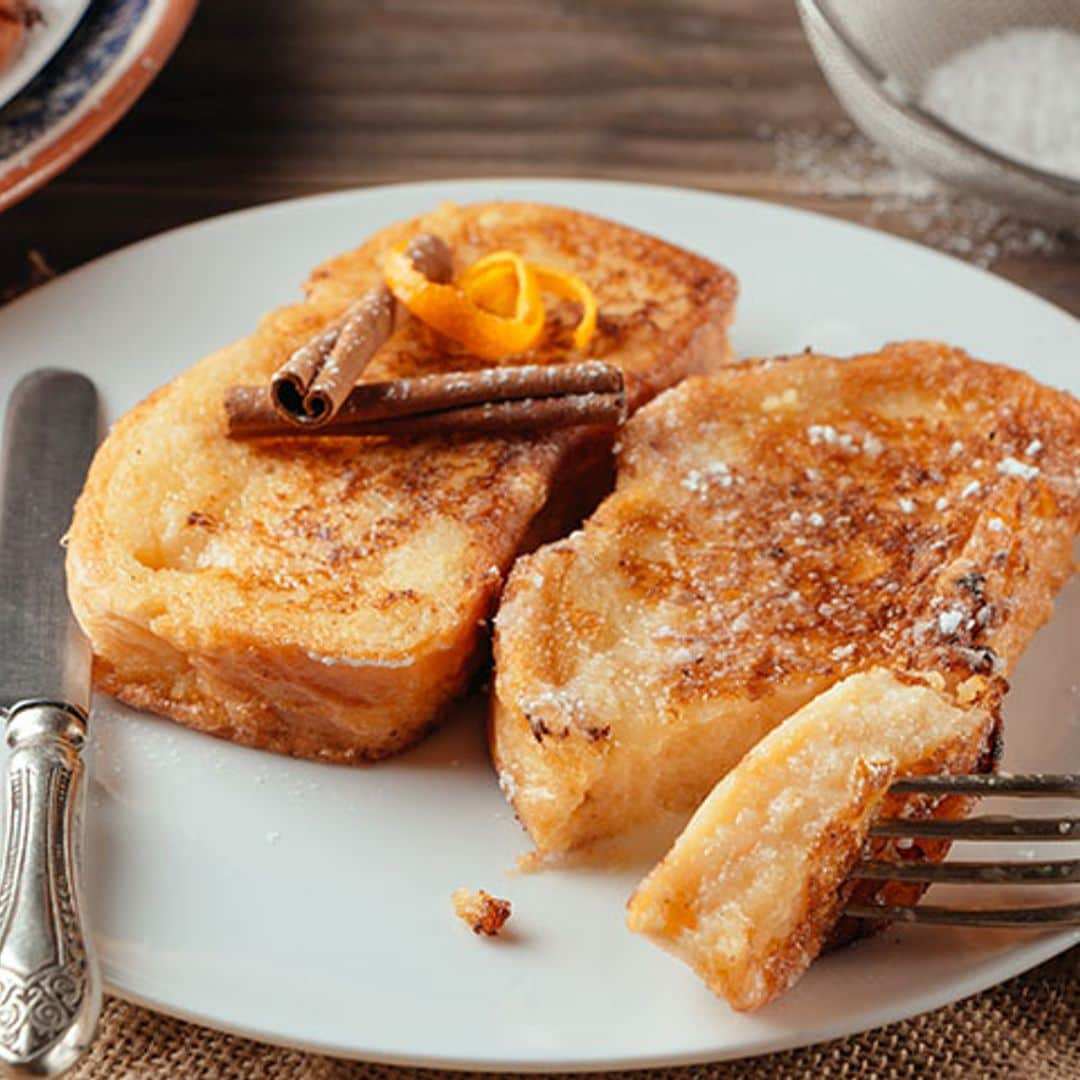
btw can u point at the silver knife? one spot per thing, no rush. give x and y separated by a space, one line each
50 987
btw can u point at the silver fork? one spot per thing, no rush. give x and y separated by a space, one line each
969 872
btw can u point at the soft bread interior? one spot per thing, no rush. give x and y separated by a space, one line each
752 886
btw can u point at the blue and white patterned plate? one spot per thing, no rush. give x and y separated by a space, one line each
98 74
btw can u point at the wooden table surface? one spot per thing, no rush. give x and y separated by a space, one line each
264 101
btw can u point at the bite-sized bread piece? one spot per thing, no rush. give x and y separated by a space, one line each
752 886
328 598
776 527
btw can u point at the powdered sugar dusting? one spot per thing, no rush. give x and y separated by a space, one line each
508 785
1011 467
700 480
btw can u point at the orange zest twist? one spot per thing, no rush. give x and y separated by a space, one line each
495 309
571 287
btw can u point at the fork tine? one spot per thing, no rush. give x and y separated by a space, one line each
1035 918
985 827
998 873
1028 784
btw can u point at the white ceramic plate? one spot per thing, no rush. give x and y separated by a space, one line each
309 904
41 43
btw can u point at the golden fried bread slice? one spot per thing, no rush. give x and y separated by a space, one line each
328 599
776 527
753 885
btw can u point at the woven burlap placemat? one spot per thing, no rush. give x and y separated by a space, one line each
1025 1029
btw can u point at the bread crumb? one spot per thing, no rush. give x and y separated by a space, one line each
484 913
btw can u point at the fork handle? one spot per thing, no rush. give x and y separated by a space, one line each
50 989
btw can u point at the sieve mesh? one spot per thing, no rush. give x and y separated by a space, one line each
877 55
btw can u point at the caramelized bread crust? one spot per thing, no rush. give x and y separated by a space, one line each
754 884
329 599
776 527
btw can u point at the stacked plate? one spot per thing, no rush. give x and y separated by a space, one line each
80 66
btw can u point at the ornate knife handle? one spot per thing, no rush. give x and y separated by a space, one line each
50 989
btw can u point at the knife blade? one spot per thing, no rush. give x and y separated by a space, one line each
49 979
50 435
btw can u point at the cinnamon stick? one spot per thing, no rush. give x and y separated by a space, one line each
496 418
490 400
315 381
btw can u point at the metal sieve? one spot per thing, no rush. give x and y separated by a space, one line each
877 55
